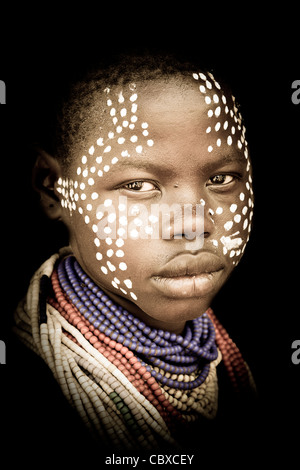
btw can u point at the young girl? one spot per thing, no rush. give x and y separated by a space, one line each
149 170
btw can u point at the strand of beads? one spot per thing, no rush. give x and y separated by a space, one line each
197 402
115 393
115 352
234 362
175 381
89 399
197 346
93 385
202 400
136 330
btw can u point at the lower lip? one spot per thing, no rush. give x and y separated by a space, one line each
199 285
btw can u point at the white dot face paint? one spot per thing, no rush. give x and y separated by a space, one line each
124 171
232 217
106 152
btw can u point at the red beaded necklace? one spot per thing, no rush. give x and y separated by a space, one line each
235 365
116 353
130 365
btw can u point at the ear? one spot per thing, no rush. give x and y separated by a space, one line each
46 172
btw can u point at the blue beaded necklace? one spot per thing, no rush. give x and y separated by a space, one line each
176 354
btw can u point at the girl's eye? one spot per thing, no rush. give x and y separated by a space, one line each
220 180
141 186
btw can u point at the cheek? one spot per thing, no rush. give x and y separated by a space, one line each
123 237
225 130
98 232
233 224
111 247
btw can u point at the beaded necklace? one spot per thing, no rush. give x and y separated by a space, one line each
130 383
168 351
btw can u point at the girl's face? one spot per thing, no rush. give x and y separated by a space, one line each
163 146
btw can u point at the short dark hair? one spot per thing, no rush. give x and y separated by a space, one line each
75 107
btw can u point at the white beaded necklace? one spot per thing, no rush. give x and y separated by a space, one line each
89 380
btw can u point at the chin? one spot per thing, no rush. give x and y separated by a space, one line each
172 310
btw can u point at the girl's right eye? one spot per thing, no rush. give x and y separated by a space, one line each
140 186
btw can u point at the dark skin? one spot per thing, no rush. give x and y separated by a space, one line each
171 280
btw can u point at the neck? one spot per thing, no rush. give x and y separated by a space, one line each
176 328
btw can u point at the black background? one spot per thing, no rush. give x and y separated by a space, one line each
258 53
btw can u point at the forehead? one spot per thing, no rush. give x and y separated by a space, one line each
168 100
174 97
191 108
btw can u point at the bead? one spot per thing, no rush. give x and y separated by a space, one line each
151 377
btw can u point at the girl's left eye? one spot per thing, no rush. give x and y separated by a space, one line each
220 180
141 186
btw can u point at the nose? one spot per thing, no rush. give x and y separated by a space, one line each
189 221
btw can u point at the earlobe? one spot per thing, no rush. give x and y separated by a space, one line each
46 172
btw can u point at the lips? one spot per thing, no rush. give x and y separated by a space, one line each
190 275
190 265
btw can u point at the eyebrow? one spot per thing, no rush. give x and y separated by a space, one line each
147 165
224 160
141 165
